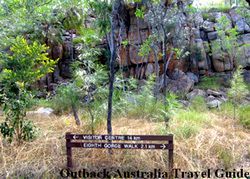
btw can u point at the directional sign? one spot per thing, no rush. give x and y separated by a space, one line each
119 137
106 142
120 145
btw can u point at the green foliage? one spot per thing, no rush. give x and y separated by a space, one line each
244 116
199 104
73 19
23 65
208 16
144 104
125 43
216 7
26 63
145 48
140 12
66 96
209 83
238 88
101 9
188 123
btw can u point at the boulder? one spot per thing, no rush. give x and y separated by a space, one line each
198 20
246 75
57 52
208 26
149 69
215 93
179 82
196 92
193 77
218 15
220 60
244 41
65 70
214 103
201 55
197 34
42 111
212 35
203 35
239 22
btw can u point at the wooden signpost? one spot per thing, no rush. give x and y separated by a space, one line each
75 141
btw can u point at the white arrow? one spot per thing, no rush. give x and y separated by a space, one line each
74 137
163 146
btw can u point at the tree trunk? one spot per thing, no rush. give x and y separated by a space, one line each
164 48
92 120
75 113
111 73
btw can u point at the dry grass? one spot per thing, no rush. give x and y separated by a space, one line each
221 143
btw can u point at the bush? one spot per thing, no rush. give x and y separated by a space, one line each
244 116
198 104
226 109
145 105
66 96
209 83
23 65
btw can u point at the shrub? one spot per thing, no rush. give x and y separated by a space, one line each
209 83
25 64
238 90
68 97
226 109
198 104
244 116
145 105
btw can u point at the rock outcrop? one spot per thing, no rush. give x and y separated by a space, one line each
204 33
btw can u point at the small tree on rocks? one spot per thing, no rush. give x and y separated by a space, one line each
238 89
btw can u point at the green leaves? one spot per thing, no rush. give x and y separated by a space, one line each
22 65
238 88
140 12
145 48
26 63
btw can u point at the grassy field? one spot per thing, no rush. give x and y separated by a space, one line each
207 140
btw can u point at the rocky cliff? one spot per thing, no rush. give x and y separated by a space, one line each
136 31
204 33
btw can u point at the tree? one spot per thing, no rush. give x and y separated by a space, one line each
238 90
112 47
22 65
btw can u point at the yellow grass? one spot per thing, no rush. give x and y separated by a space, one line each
44 157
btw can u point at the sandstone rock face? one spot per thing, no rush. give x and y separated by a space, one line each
203 59
239 22
212 35
208 26
179 82
245 50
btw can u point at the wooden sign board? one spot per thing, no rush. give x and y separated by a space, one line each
75 141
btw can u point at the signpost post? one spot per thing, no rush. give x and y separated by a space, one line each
72 141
